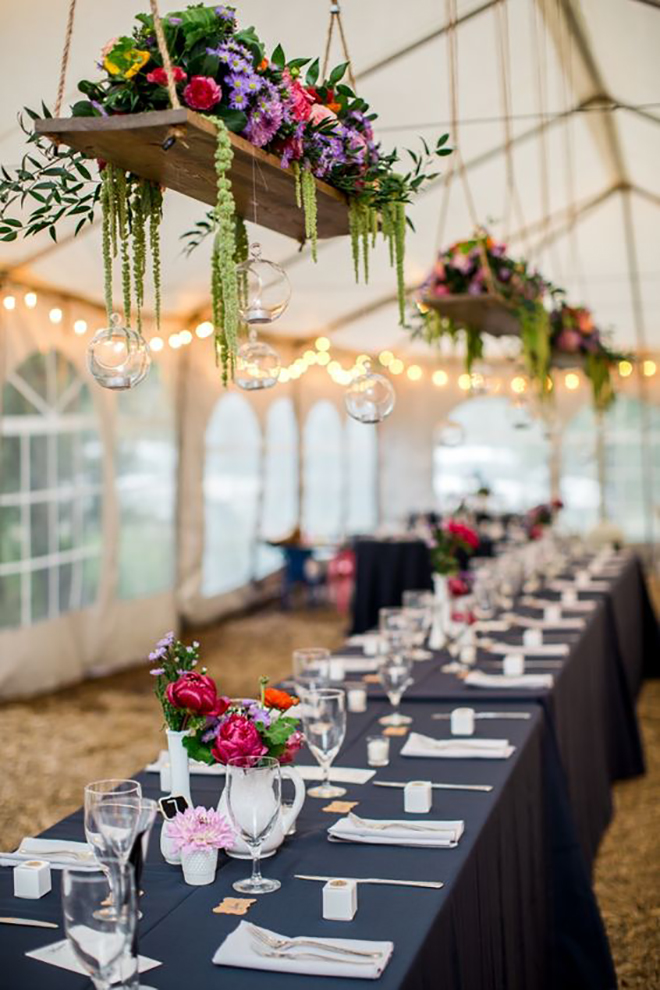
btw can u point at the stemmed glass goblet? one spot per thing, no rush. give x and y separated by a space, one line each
324 726
112 813
394 674
254 801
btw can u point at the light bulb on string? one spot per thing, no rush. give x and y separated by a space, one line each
257 364
264 289
118 358
370 397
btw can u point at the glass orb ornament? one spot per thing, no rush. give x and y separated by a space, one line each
264 289
481 379
118 358
370 397
520 413
257 364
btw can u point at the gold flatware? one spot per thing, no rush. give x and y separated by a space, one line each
30 922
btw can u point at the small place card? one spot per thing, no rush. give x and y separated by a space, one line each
371 679
395 730
340 807
235 905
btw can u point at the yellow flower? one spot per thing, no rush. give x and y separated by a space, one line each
135 58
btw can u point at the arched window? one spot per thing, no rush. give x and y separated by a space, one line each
145 473
50 492
323 494
496 447
279 513
361 477
231 495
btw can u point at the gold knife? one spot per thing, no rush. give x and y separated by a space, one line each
31 922
431 884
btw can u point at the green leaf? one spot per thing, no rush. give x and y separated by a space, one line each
313 73
278 57
298 63
198 750
11 222
442 140
235 120
337 73
9 237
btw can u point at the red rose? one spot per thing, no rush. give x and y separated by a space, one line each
202 93
159 76
238 737
196 694
457 587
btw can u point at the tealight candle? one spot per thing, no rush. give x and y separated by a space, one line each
370 646
552 613
340 900
417 797
468 655
336 669
532 637
356 697
32 879
378 751
569 597
462 722
514 664
582 579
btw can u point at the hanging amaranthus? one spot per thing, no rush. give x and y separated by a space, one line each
139 244
155 218
224 287
308 190
106 218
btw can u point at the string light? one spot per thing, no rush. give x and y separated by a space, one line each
156 344
571 381
80 327
386 358
174 341
309 357
30 299
323 359
649 368
625 369
55 315
396 366
9 302
283 376
414 372
440 378
185 337
204 329
518 384
322 344
465 382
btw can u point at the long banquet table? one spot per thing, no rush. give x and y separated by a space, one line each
516 911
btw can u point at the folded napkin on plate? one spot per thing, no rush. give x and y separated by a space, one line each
356 665
572 622
395 832
53 851
341 775
457 749
196 767
580 606
476 678
242 949
566 584
544 650
61 954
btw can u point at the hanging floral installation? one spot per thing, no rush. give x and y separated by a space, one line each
576 341
318 127
476 270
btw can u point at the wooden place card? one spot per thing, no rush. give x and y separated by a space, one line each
371 679
340 807
395 730
235 905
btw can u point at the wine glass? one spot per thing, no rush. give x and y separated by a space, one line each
395 630
129 974
394 675
324 725
254 800
112 811
99 939
311 668
418 613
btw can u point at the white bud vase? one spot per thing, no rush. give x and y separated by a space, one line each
199 866
180 784
441 612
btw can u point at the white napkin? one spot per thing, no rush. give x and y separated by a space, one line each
580 606
476 678
342 775
566 584
356 665
457 749
238 949
436 834
574 622
48 850
61 954
491 625
196 766
544 650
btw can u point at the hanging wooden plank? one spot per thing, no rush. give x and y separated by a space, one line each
562 359
487 313
135 143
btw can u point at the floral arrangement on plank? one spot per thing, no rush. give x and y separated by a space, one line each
479 267
541 516
318 127
574 334
220 728
453 541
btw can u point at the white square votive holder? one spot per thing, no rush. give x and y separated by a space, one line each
461 722
340 900
32 879
514 665
417 797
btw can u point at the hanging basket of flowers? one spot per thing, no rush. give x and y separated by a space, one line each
193 103
576 342
476 288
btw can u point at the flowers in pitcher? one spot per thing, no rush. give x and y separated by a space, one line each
452 541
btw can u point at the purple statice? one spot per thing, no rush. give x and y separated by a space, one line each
256 713
166 641
157 671
225 13
158 654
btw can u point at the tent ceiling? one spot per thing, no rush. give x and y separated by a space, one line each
405 78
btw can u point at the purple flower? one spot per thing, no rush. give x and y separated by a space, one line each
504 274
265 121
158 654
199 828
174 20
238 100
157 671
225 13
166 641
100 108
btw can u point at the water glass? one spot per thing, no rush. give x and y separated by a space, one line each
99 939
394 675
324 725
419 619
254 801
311 669
395 630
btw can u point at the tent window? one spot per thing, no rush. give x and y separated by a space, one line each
279 514
50 492
146 488
493 451
231 495
362 476
322 478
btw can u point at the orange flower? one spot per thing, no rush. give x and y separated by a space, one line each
281 700
335 107
263 65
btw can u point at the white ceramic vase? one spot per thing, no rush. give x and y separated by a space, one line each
441 612
287 818
199 866
180 784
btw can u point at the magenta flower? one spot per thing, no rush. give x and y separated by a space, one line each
238 736
199 828
202 93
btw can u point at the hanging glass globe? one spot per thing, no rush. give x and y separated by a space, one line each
370 397
264 289
450 434
520 413
257 364
117 357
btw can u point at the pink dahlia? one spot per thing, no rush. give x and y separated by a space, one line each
202 93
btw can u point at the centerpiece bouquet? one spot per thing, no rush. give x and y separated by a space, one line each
219 728
575 339
541 516
453 541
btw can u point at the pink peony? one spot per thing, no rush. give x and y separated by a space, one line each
238 736
441 290
202 93
301 100
159 76
569 341
318 114
196 694
462 532
293 744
